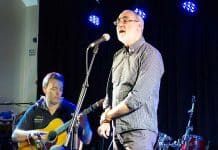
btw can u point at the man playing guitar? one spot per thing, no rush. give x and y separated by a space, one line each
50 113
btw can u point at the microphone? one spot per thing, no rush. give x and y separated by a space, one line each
105 37
93 107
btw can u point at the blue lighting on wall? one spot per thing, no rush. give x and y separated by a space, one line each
189 7
95 20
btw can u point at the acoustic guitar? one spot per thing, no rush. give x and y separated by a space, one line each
56 129
57 135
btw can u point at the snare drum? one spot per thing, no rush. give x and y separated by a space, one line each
195 142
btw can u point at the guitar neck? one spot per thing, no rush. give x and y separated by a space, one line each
63 127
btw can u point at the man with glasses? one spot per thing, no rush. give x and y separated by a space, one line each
136 75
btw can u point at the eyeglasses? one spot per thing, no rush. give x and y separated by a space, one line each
124 21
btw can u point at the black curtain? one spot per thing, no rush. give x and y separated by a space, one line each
188 44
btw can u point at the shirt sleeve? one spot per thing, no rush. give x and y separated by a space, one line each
108 97
26 121
150 71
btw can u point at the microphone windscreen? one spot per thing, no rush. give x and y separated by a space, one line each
106 36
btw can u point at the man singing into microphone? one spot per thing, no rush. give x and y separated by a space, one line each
32 131
136 74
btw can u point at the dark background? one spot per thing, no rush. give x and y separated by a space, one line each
188 44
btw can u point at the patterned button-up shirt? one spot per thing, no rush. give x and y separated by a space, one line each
136 76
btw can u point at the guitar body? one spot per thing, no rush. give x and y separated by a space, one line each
52 126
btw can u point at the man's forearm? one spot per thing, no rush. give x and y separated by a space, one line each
20 135
116 112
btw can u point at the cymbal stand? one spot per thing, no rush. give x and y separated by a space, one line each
189 127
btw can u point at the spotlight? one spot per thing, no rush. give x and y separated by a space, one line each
140 12
189 6
95 20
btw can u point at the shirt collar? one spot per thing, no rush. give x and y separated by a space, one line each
42 103
134 47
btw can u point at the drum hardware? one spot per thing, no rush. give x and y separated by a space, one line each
188 141
176 144
194 142
189 127
163 141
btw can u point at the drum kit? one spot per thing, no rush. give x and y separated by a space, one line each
187 142
193 142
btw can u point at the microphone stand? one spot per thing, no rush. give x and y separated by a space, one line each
189 128
74 133
74 120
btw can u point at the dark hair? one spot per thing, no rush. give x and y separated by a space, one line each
52 75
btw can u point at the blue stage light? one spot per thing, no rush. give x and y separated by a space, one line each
141 13
189 6
95 20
